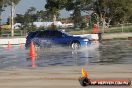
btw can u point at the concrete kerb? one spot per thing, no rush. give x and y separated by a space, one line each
106 36
13 41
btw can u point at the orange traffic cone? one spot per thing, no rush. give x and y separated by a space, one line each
32 54
21 46
95 29
8 45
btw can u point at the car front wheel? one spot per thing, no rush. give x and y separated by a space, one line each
75 45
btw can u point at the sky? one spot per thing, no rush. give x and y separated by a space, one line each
23 5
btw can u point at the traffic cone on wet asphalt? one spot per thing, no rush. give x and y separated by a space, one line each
21 46
32 54
8 45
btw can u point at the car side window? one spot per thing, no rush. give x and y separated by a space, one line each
43 34
55 34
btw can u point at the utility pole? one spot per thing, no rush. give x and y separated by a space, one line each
12 18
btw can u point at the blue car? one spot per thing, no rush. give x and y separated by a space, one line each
47 38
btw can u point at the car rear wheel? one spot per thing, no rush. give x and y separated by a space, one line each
75 45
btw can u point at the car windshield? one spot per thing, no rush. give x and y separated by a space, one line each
31 34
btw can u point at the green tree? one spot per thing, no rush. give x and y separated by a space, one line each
13 4
6 3
113 11
43 16
30 15
77 6
54 7
2 6
29 18
83 24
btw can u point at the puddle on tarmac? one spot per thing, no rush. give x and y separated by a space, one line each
107 52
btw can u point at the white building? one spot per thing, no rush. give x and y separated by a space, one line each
40 24
66 25
47 24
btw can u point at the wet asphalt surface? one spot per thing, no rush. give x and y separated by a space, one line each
107 52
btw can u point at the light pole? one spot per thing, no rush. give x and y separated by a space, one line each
12 18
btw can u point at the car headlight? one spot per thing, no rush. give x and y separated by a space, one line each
86 40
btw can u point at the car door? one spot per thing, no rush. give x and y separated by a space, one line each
59 38
43 39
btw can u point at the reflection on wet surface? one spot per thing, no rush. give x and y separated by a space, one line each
107 52
65 56
117 51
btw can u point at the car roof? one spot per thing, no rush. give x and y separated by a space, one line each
32 33
37 31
